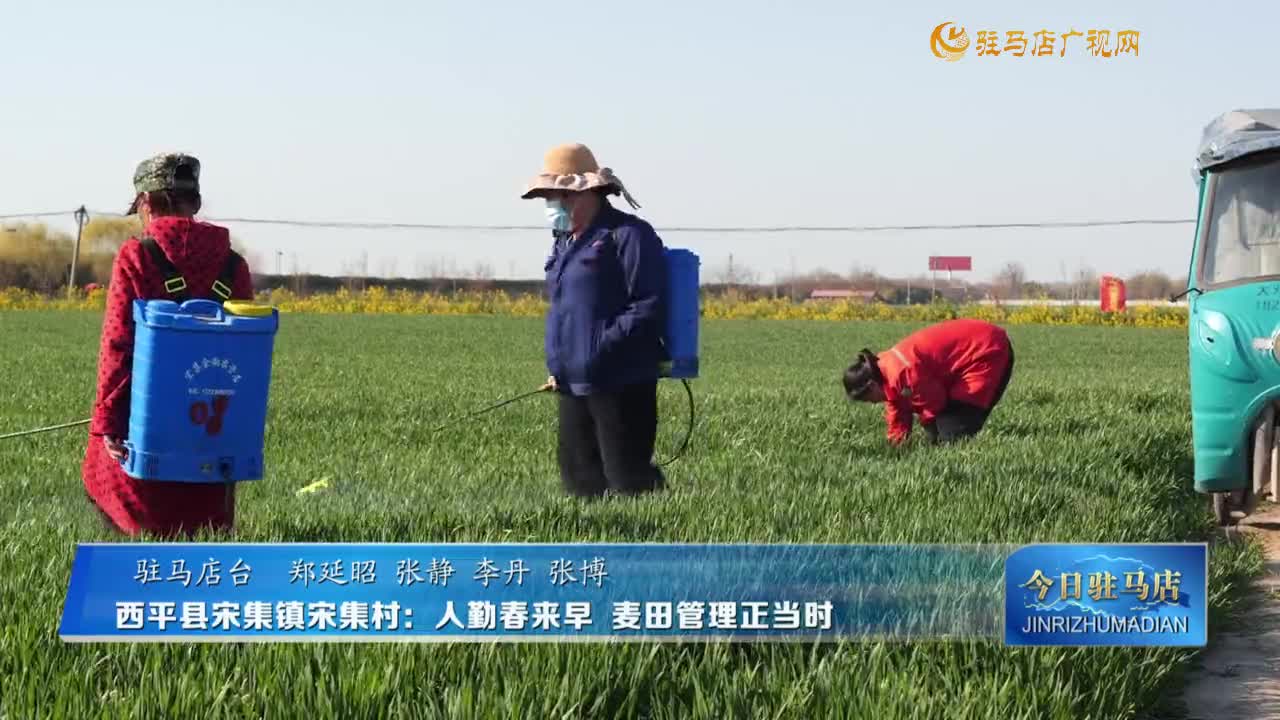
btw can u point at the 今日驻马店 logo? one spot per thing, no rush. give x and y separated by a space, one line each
949 41
1119 595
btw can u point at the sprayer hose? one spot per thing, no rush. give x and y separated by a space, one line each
688 431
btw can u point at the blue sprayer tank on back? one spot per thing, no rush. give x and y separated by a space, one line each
198 408
683 309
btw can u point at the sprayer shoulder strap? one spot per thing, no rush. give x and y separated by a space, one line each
612 238
176 285
227 278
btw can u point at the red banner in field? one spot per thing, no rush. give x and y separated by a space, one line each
950 262
1112 295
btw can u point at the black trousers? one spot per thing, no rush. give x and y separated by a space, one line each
607 442
961 420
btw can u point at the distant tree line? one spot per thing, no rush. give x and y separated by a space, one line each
1010 283
33 257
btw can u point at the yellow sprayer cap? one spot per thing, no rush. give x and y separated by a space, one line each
247 309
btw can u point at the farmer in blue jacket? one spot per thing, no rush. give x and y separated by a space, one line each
606 278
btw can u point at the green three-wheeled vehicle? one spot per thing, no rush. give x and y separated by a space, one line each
1233 292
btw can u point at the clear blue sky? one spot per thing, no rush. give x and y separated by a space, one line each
713 113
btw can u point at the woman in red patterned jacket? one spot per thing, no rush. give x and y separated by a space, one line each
951 374
167 196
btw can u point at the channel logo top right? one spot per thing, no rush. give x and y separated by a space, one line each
949 42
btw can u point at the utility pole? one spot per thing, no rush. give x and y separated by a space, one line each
279 257
81 216
793 277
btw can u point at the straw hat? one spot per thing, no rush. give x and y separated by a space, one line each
573 168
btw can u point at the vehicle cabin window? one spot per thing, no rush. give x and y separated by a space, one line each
1243 238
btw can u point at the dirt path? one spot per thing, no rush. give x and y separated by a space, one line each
1239 677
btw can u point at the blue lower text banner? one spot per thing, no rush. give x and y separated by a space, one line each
316 592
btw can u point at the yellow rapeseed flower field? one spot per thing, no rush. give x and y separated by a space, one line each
379 300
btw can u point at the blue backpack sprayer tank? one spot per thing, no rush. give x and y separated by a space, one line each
680 331
201 372
680 334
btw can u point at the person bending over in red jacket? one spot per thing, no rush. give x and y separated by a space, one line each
167 196
951 374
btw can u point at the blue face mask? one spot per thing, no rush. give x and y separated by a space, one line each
558 216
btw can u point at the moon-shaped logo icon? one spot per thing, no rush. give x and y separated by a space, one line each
952 46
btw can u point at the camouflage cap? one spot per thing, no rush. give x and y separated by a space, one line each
167 171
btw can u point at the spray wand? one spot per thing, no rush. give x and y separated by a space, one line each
24 433
684 444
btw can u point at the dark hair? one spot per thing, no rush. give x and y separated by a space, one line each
862 375
174 202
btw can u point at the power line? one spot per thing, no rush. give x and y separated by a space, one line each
36 215
374 225
717 229
357 225
912 228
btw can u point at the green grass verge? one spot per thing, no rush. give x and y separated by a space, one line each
1092 443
